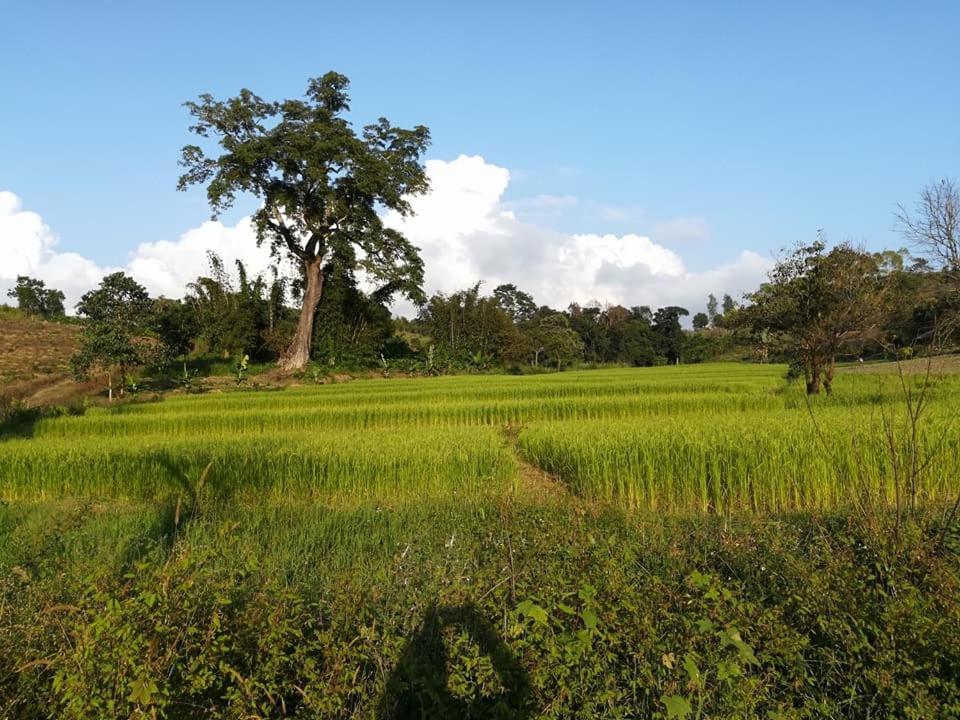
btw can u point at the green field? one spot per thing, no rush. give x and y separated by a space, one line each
708 438
581 544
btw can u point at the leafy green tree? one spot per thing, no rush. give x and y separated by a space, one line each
816 303
516 303
351 326
35 298
232 317
593 335
729 304
553 338
116 334
712 307
668 334
467 325
175 324
700 321
322 188
638 343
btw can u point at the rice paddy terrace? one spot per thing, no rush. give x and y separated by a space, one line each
710 438
650 543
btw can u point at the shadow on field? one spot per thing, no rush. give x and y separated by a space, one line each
419 685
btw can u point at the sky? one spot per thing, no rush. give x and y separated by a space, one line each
634 152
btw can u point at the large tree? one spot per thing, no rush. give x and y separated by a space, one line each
816 303
322 188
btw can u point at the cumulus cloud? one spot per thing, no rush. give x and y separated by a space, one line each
466 233
29 247
465 230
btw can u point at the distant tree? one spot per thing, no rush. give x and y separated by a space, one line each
231 316
711 307
322 188
175 325
116 334
729 304
35 298
668 334
700 321
553 337
593 335
467 327
934 225
816 303
516 303
637 343
700 347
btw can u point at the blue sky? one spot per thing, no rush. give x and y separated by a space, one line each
711 127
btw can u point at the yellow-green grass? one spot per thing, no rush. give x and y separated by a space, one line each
711 438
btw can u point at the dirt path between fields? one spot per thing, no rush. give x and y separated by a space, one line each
534 481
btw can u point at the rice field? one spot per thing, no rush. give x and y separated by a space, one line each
710 438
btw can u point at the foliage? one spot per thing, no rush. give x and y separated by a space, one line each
34 298
467 611
116 333
466 323
818 302
322 186
516 303
236 317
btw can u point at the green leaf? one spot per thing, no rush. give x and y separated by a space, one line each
690 665
142 691
533 611
677 706
705 625
590 618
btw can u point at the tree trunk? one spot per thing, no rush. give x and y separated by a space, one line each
813 379
297 355
828 376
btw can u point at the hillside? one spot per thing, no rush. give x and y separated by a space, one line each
35 358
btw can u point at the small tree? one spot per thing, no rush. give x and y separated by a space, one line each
729 304
712 307
175 324
934 226
553 337
322 187
34 298
116 333
700 321
816 303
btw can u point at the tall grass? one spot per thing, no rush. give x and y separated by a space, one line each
708 437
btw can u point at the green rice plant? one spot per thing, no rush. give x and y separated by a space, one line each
369 466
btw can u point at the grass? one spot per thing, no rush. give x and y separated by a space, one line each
711 438
583 544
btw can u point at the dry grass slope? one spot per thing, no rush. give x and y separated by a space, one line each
35 358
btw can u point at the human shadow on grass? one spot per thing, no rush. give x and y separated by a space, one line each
418 687
192 493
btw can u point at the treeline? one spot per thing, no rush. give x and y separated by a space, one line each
230 313
821 304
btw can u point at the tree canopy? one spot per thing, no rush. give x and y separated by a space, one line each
35 298
322 187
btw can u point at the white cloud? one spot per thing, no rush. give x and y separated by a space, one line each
465 231
29 247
